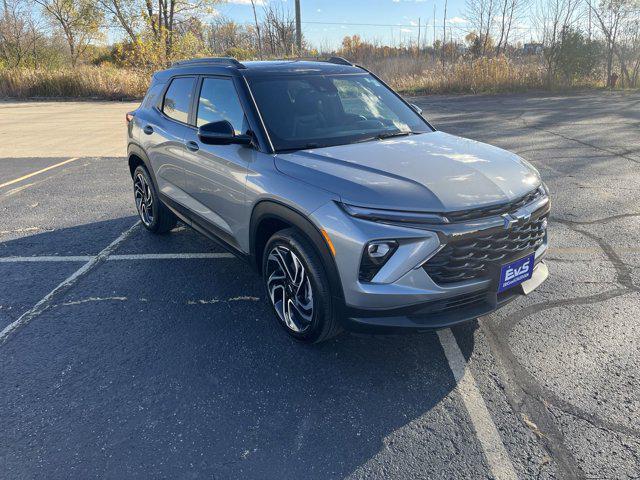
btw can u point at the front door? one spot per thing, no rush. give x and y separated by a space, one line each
216 174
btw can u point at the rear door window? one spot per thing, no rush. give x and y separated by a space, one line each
177 100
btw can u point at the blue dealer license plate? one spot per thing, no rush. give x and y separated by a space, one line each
516 272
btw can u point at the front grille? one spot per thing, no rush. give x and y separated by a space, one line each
472 258
494 210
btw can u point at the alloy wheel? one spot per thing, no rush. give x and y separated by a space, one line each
289 289
144 199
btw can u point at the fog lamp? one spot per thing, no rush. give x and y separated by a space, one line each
374 257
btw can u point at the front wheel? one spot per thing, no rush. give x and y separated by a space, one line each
297 287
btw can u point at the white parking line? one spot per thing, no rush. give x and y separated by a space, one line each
38 172
486 431
45 302
44 258
170 256
142 256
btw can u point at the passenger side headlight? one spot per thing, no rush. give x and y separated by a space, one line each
374 257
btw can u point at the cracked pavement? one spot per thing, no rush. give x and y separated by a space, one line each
569 354
174 368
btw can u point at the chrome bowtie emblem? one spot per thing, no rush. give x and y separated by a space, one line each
509 221
518 218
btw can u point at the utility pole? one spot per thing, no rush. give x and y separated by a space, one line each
444 31
298 29
418 34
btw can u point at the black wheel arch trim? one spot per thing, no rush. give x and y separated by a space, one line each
133 149
272 209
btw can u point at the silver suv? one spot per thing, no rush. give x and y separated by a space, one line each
357 213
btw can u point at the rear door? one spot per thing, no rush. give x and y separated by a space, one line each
216 174
163 133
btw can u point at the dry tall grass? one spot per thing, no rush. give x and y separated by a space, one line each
82 82
407 74
485 75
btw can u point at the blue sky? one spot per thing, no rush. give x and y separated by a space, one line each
326 22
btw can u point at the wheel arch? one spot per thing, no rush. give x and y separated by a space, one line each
136 157
270 216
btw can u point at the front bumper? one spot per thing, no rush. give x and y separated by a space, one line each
439 313
403 283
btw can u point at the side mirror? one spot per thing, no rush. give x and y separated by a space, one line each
417 109
221 133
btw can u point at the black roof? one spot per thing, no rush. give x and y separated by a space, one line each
230 66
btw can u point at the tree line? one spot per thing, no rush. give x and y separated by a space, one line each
571 39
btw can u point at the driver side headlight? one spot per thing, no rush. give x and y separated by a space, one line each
394 217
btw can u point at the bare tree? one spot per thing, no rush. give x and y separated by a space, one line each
257 24
125 13
614 18
444 31
553 17
225 34
79 20
481 17
279 30
165 16
18 33
510 12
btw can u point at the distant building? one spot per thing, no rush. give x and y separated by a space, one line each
533 49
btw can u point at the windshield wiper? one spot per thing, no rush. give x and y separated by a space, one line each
307 146
384 136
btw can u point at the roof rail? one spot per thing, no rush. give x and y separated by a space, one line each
340 61
335 60
232 62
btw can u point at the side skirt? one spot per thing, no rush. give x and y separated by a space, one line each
205 228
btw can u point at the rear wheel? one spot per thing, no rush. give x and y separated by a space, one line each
154 215
297 287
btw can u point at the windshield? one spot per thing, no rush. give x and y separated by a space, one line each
313 111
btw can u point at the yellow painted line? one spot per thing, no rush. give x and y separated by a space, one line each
32 174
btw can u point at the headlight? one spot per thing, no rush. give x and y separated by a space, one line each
393 216
374 257
544 189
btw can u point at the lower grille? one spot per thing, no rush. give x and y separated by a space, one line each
472 258
466 302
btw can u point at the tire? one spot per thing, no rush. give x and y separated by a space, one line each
154 215
290 248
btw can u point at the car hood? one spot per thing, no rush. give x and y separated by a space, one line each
434 172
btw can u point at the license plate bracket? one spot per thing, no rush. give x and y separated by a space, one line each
516 272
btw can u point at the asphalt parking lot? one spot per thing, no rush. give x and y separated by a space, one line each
124 355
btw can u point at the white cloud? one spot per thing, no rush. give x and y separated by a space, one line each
457 20
406 30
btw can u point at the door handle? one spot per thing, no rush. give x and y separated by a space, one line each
192 146
148 129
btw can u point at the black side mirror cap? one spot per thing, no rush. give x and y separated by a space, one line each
222 133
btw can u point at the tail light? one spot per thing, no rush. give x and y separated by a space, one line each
129 116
